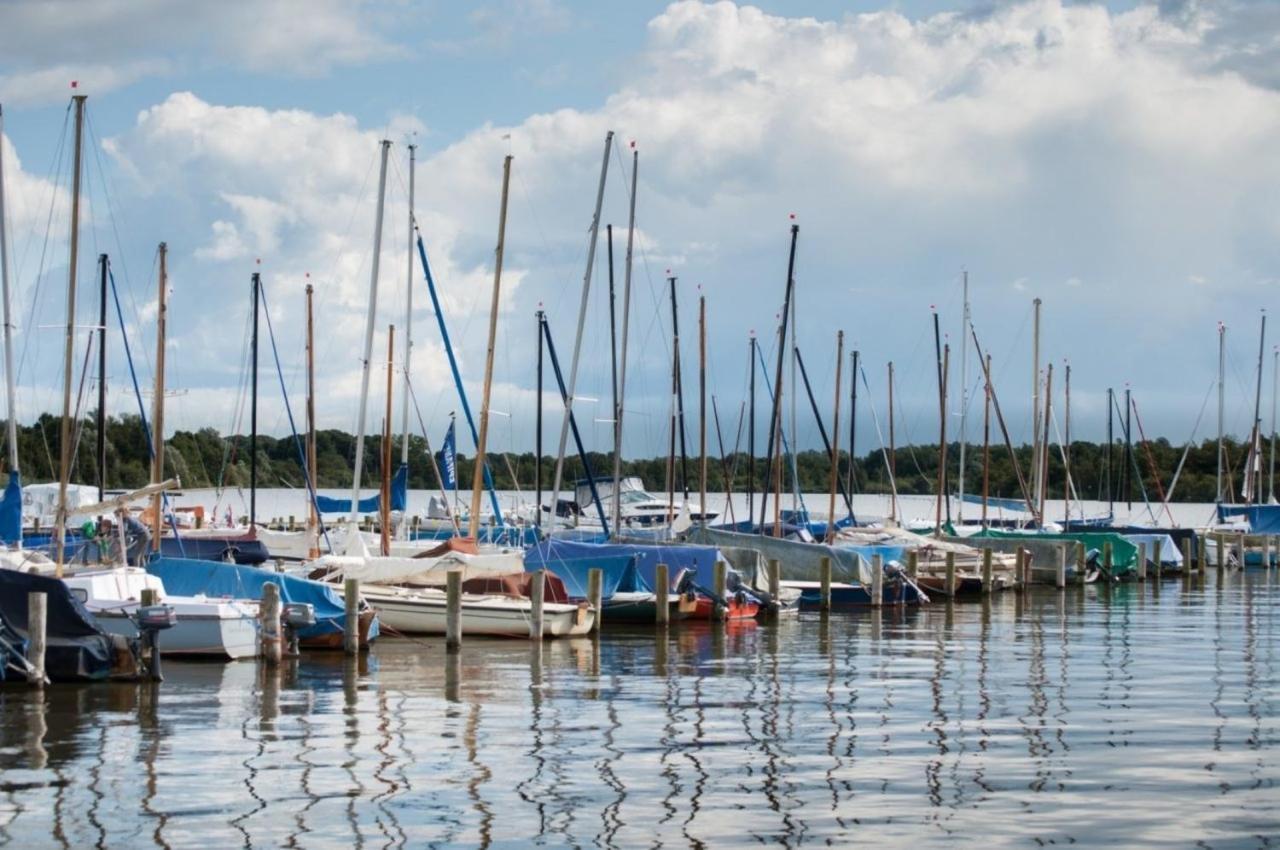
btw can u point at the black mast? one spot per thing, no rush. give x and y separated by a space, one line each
822 427
751 428
537 431
853 426
102 378
253 411
775 418
679 388
613 334
1128 451
1111 417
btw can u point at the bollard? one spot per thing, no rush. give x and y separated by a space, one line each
595 595
775 579
1156 553
453 610
351 623
1060 579
720 581
949 582
662 604
1186 556
537 591
877 581
1080 562
1221 540
1142 562
988 574
1202 552
269 615
37 609
913 564
824 586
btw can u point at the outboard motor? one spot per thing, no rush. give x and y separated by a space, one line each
151 620
296 616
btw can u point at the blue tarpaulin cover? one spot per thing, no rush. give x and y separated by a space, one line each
628 567
186 577
369 505
1263 519
76 649
11 510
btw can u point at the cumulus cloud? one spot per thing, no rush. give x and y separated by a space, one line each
1033 142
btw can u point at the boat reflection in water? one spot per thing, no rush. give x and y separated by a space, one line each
1098 715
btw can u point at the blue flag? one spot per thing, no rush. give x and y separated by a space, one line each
447 459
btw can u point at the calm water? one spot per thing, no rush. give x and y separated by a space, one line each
1133 716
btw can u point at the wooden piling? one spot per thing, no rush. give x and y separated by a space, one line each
37 614
1221 540
1156 553
662 602
1186 556
720 580
453 610
1142 562
269 616
877 581
1081 562
1240 549
988 575
913 564
595 595
351 623
775 578
1060 578
1266 551
149 596
824 579
537 593
1202 552
949 580
1108 563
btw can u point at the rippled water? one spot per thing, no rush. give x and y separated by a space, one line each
1129 716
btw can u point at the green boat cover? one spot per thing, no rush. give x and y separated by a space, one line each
1124 555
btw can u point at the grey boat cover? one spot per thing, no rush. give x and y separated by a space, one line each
798 561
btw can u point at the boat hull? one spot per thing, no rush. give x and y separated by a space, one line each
424 612
196 636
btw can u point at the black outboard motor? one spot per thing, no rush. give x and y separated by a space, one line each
296 616
151 620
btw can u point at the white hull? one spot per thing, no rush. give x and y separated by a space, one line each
208 636
423 612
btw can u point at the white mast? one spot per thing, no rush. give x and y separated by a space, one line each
1037 481
368 335
11 406
622 368
582 319
964 392
1222 400
408 321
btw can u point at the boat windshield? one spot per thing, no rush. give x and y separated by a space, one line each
633 497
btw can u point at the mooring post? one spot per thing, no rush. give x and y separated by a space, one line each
913 564
1221 540
269 614
1266 551
949 582
1142 562
537 591
351 623
37 611
1156 552
1081 561
1186 556
1202 552
775 579
720 580
149 596
988 574
824 583
595 595
1240 550
453 610
662 604
877 581
1107 559
1060 579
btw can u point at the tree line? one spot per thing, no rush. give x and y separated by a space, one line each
205 458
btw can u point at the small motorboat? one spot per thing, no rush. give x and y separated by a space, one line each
422 610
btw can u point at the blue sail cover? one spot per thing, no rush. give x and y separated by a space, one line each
11 510
570 561
1263 519
369 505
186 577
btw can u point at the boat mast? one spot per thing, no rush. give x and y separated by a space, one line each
893 456
835 441
1037 483
408 321
622 366
253 405
582 319
964 395
679 390
10 403
101 441
1128 447
313 518
942 429
537 436
751 426
157 403
775 418
367 359
64 446
1111 443
675 391
1275 386
853 425
986 438
1255 448
477 477
1222 368
613 331
384 502
1044 441
1066 454
702 393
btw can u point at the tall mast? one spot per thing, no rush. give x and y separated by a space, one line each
64 446
1111 444
678 389
1128 447
253 404
751 426
157 403
101 442
1044 441
702 404
942 428
893 455
384 502
582 319
853 424
408 320
1255 448
675 409
1066 454
477 477
537 437
367 359
313 519
775 418
613 332
964 395
1036 448
622 366
835 441
10 403
1275 388
986 438
1222 369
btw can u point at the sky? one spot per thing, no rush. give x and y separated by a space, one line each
1116 160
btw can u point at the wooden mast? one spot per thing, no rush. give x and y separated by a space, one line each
384 503
1043 472
835 441
157 404
64 446
477 476
313 519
